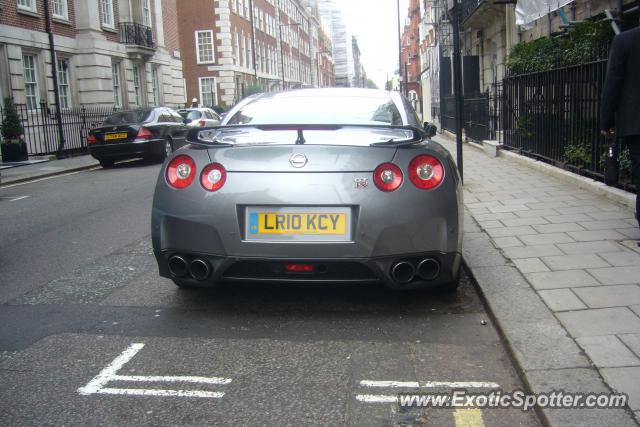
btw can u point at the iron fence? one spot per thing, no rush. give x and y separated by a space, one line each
41 127
136 34
476 121
553 116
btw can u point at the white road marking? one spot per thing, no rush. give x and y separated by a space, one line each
49 177
377 398
108 374
163 393
428 384
15 199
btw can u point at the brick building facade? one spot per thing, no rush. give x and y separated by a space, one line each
108 52
235 47
410 56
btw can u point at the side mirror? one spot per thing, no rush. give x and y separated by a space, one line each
431 129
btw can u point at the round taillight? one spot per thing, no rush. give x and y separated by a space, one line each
426 172
387 177
181 171
213 177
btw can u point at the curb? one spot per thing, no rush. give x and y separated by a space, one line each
47 175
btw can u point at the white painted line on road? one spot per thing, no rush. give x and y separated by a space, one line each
162 393
377 398
428 384
50 177
186 379
15 199
108 374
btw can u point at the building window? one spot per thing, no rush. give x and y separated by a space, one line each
63 83
137 87
208 95
155 83
107 14
30 81
117 89
204 47
60 9
146 13
236 49
28 5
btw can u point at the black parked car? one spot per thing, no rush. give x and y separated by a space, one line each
150 133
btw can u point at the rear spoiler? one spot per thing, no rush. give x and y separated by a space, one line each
207 135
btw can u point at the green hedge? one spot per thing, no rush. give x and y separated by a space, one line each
586 41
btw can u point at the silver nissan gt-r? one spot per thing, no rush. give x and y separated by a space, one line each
312 185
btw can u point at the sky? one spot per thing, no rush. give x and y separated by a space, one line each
375 24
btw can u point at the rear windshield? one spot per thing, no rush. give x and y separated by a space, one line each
347 136
356 110
127 117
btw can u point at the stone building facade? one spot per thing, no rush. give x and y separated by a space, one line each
122 53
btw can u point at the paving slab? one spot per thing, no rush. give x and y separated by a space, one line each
530 265
561 279
574 262
596 235
589 247
545 239
617 275
561 300
625 380
532 251
609 296
607 351
622 258
632 341
602 321
558 228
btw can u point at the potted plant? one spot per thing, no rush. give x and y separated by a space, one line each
14 149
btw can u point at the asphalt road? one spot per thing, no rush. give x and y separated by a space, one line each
92 336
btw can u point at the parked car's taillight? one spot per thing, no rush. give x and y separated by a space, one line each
213 177
144 134
387 177
181 171
202 123
91 139
426 172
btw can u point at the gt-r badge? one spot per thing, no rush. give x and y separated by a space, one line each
361 183
298 160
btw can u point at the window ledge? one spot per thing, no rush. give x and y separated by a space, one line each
28 12
61 20
109 29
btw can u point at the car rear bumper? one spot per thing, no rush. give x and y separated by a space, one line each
127 150
224 269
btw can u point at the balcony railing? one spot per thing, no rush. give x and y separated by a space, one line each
136 34
468 7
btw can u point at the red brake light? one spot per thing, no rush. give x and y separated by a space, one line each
181 171
202 123
387 177
144 133
299 268
426 172
91 139
213 177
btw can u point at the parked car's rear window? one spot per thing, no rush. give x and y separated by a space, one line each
359 110
127 117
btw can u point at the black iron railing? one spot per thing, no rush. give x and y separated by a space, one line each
41 131
476 124
136 34
469 7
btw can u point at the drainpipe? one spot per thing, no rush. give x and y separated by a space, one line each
54 72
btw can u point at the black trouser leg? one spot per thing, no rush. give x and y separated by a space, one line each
634 148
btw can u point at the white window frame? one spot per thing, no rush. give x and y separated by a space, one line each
201 93
61 4
199 60
107 12
147 19
155 86
137 85
64 83
236 49
34 84
116 78
28 5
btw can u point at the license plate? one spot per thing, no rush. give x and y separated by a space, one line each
112 136
298 223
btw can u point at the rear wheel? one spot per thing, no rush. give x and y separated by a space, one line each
106 163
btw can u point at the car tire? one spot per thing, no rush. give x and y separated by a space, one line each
106 163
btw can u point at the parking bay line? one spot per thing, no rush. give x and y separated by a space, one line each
108 374
428 384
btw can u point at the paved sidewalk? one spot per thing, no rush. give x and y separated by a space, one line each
577 252
15 174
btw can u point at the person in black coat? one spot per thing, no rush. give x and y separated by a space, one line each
621 95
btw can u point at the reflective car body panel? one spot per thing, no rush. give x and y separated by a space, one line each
384 228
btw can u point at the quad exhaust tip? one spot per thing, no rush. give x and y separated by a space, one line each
199 269
178 266
403 272
428 269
